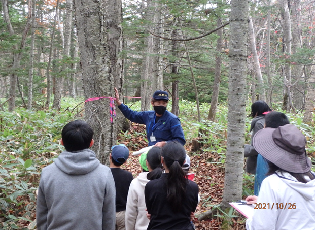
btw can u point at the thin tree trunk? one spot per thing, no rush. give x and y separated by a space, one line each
268 63
17 55
150 64
49 78
257 70
31 67
237 98
298 90
174 74
66 52
194 82
75 68
217 77
287 35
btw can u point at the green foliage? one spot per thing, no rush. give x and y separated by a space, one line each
30 141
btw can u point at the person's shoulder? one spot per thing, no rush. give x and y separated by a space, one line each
127 173
103 168
49 168
171 115
155 182
193 184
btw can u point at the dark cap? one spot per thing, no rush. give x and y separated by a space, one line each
160 95
120 153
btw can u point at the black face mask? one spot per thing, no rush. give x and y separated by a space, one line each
159 109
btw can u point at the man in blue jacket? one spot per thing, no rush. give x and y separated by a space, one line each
161 125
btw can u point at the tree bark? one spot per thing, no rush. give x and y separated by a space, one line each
100 41
299 88
66 53
268 63
237 98
49 78
17 55
151 59
31 67
287 35
257 70
174 74
217 77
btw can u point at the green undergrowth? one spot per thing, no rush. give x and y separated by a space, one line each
29 141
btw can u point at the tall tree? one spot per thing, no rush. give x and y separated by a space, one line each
217 77
151 59
17 54
287 37
99 30
50 57
31 67
298 89
66 53
257 70
236 101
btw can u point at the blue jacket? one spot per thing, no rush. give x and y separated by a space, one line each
167 128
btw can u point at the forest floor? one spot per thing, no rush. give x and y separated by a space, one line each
209 175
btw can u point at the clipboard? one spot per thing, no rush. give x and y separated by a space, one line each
242 207
145 149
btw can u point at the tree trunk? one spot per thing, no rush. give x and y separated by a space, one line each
100 41
217 77
17 54
150 63
257 70
31 67
194 82
298 90
268 63
237 98
174 73
49 78
73 79
287 35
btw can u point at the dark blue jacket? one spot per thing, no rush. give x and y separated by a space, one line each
167 128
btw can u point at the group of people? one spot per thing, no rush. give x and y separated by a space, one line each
78 192
284 183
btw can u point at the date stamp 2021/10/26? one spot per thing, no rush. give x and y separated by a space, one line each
275 206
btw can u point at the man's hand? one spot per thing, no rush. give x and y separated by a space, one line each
252 199
118 102
160 144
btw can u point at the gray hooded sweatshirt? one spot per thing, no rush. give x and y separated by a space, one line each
76 192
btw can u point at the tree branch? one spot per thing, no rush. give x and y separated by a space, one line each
190 39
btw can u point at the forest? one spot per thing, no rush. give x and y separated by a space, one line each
61 60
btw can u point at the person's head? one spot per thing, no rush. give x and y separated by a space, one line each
275 119
119 155
159 101
77 135
186 164
284 147
173 154
154 164
173 157
258 108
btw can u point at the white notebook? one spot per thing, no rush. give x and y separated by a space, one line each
246 210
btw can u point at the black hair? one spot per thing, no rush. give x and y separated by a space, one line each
299 176
174 155
154 160
258 108
76 135
275 119
118 164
